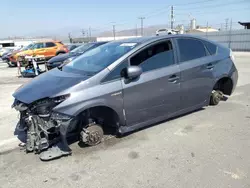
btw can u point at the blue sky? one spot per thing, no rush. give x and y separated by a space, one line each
38 17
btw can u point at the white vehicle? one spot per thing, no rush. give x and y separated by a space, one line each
166 31
4 50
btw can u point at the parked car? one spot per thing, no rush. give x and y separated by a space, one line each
123 86
47 49
72 46
6 55
166 32
3 51
12 58
58 60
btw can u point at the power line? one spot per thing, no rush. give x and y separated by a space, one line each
213 12
212 6
192 3
203 7
180 4
172 20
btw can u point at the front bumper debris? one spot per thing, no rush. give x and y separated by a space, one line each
46 131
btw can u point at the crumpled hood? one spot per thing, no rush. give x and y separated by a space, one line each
60 58
46 85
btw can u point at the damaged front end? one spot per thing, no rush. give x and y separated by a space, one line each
46 129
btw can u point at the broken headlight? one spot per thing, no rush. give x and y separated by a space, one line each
61 98
60 116
44 107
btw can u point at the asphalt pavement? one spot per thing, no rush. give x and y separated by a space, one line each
209 148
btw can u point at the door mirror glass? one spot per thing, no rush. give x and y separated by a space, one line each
133 72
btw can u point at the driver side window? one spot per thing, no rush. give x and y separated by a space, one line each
154 57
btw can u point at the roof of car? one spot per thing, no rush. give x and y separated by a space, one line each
47 41
154 38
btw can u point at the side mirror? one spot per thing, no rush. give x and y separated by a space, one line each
133 72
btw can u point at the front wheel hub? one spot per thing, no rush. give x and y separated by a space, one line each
92 135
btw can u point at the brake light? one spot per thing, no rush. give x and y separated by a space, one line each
65 49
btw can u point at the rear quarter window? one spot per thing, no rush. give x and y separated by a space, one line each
212 48
191 49
50 44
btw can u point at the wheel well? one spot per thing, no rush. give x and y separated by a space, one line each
105 116
225 85
60 52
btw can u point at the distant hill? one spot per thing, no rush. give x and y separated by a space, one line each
148 31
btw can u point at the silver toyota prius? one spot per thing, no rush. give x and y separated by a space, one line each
122 86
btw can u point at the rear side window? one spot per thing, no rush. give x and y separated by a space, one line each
154 57
212 49
38 46
50 44
190 49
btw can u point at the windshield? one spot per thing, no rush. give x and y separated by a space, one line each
28 47
82 48
99 58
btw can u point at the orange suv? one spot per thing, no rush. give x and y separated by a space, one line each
48 49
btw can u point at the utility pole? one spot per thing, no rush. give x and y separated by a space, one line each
83 33
136 30
226 26
230 33
207 29
90 32
172 17
114 31
70 38
141 18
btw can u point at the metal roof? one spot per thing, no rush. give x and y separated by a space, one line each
153 38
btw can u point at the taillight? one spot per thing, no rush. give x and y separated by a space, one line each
65 49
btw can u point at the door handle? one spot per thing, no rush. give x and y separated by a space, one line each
173 78
210 66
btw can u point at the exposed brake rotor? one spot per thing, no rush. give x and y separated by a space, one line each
92 135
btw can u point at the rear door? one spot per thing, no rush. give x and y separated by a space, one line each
51 49
156 93
196 72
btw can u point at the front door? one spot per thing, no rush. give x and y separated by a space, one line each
39 49
156 93
196 72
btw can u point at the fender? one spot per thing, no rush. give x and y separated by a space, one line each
76 109
61 51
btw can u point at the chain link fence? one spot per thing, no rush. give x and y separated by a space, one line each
230 35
